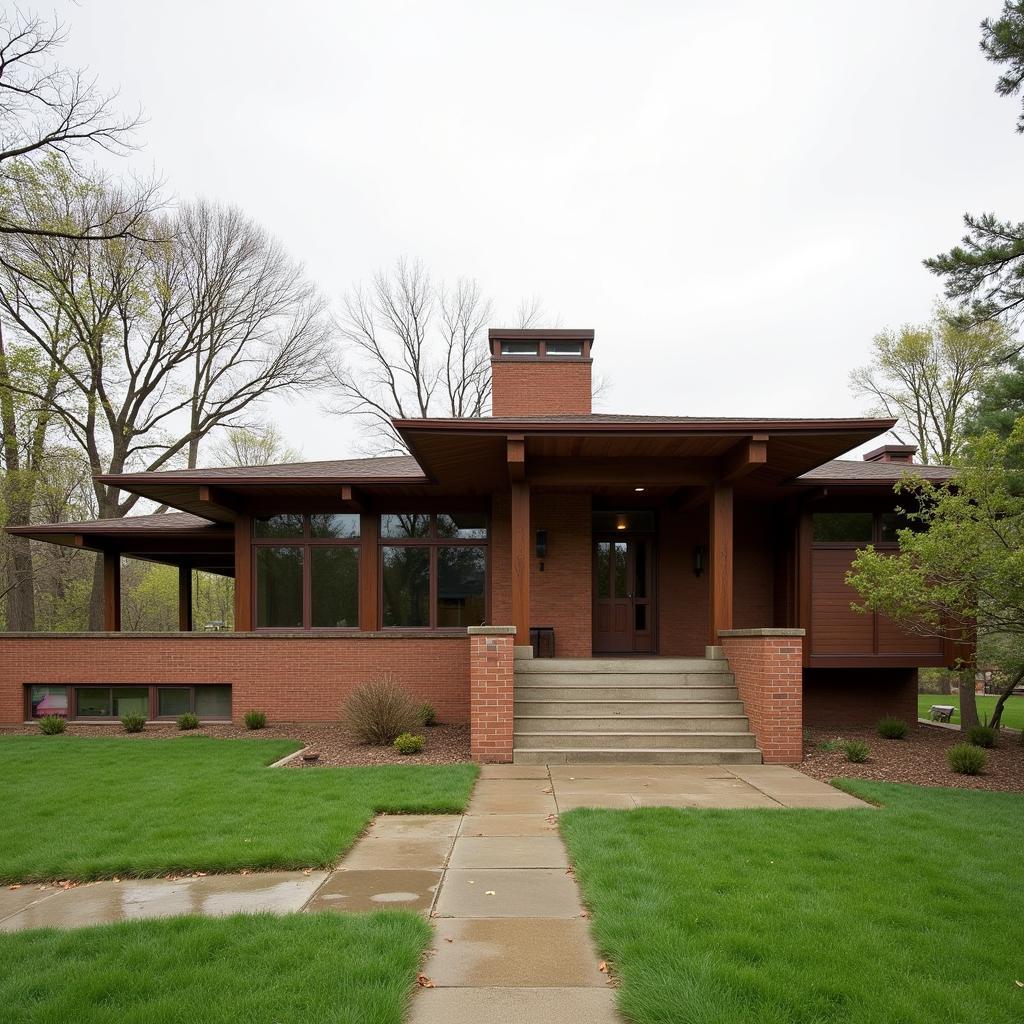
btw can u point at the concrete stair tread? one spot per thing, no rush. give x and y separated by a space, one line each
527 666
569 718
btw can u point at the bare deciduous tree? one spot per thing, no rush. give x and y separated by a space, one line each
259 444
48 111
158 344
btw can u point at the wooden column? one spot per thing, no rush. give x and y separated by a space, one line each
369 572
185 598
720 562
521 561
112 591
243 573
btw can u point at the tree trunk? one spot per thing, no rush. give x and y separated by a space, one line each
997 713
945 684
968 704
20 586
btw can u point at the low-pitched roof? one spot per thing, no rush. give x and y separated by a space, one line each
849 471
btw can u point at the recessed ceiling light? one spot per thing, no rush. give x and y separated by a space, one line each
638 489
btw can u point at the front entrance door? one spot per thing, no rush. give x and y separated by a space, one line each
623 595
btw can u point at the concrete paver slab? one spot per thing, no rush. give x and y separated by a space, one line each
570 772
514 1006
509 825
610 801
385 854
509 892
132 899
15 900
491 802
794 789
356 891
395 826
534 952
509 852
514 771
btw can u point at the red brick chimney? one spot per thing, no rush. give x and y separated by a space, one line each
892 453
540 372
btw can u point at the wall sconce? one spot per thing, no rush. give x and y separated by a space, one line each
699 553
542 547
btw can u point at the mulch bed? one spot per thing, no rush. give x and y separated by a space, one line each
446 744
919 759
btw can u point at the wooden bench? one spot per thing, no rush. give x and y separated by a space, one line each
941 712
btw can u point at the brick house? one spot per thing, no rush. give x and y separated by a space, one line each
577 586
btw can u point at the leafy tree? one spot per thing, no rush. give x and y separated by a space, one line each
1000 402
926 375
259 444
960 567
987 268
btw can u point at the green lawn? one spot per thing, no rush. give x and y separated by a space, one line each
913 913
309 968
1013 711
94 808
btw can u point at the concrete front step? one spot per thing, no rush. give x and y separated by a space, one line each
697 708
651 755
644 666
631 723
529 691
523 740
679 680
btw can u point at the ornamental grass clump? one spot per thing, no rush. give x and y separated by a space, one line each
133 722
427 715
856 751
51 725
378 712
890 728
967 759
407 743
981 736
255 719
188 721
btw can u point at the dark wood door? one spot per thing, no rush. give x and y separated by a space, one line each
623 594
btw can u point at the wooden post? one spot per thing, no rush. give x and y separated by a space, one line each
521 561
112 591
185 598
243 573
720 561
369 572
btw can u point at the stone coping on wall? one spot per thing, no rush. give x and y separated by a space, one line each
764 631
491 630
318 634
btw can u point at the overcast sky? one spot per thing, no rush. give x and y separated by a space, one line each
736 196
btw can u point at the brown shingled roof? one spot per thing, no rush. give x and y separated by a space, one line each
159 523
848 471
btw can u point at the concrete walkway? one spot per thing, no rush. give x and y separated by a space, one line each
512 940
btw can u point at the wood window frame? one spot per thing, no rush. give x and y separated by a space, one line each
152 715
432 541
306 541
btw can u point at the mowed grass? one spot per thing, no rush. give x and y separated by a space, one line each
94 808
811 917
1013 710
259 969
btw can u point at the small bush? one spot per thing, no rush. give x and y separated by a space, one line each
133 722
50 725
856 751
427 715
967 759
255 719
408 744
892 729
188 721
379 711
829 746
981 736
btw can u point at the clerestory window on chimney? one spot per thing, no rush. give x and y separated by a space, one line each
520 348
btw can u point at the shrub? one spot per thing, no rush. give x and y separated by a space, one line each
379 711
133 722
830 746
408 744
50 725
427 715
255 719
856 751
188 721
981 736
892 728
967 759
